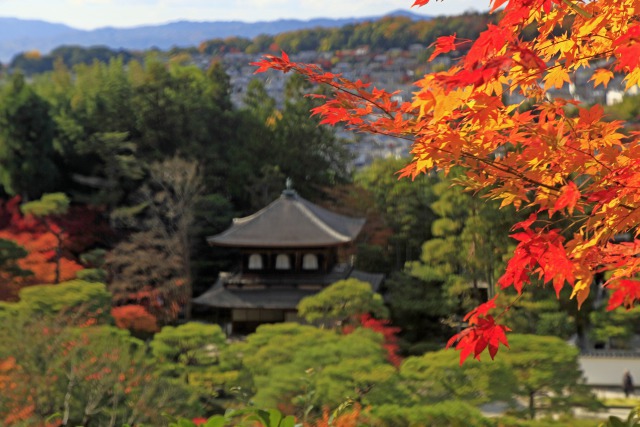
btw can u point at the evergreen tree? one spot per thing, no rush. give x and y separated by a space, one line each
27 157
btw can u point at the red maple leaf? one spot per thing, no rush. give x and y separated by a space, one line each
444 44
496 4
481 310
627 49
475 339
626 293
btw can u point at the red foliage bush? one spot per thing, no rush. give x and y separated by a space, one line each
135 318
80 228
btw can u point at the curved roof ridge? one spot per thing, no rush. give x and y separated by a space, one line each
290 221
320 223
239 222
254 215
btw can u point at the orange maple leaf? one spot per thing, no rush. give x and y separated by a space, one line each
569 196
601 77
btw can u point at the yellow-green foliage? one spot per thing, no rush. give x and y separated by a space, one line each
340 302
77 299
437 377
446 414
303 365
73 298
190 344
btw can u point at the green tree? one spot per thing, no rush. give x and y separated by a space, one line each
285 143
443 414
613 329
189 355
438 377
77 299
539 313
470 241
547 373
258 179
27 157
161 222
187 346
70 365
406 206
303 367
116 167
339 303
10 253
307 152
418 308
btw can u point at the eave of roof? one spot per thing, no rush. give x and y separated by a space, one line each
271 295
290 221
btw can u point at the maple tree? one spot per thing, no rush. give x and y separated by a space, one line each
577 172
48 256
134 317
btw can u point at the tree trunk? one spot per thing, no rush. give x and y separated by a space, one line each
532 405
67 400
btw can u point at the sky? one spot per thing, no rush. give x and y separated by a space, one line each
90 14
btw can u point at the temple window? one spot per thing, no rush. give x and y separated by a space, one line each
283 262
255 262
310 262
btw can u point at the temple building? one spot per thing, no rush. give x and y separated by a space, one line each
289 250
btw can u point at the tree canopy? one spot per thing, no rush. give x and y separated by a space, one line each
576 170
341 302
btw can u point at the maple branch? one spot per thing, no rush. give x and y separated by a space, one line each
510 305
578 9
504 168
586 153
336 86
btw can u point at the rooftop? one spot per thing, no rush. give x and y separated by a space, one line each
290 221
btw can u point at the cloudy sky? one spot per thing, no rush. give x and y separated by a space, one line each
89 14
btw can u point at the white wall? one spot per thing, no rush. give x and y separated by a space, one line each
608 371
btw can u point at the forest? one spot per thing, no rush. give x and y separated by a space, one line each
113 173
379 36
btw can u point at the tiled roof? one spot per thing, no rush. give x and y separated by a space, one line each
290 221
238 291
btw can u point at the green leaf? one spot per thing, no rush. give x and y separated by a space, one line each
183 422
615 422
216 421
288 421
274 417
261 416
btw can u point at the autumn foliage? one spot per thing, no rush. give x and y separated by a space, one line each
40 242
577 171
135 318
350 418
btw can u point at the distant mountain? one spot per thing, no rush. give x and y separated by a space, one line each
18 35
16 29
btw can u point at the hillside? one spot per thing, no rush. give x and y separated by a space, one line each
17 35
